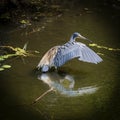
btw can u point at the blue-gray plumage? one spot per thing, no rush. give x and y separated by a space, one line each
59 55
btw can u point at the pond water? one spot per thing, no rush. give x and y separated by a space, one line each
83 90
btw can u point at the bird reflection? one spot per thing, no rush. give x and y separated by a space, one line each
65 84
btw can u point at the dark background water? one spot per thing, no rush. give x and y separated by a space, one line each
20 85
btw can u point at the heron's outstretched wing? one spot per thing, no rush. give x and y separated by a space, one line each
78 50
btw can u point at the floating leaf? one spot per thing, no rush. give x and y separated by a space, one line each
110 49
6 66
37 51
1 69
23 21
100 53
92 45
5 56
1 59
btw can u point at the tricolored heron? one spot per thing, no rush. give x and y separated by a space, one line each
59 55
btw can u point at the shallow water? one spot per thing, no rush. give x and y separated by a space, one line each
89 92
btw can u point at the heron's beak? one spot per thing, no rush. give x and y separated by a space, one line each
84 38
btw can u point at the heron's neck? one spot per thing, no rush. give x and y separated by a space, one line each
72 38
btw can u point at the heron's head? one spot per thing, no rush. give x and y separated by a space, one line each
78 35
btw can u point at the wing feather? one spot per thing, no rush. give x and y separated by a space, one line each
78 50
89 55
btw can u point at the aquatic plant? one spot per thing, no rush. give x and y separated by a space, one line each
8 52
104 47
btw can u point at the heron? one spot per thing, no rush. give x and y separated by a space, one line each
59 55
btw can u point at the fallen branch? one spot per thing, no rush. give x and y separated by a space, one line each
45 93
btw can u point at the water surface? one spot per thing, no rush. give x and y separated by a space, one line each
21 85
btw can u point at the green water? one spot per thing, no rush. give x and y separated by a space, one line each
21 84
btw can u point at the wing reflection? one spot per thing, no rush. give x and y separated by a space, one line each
64 84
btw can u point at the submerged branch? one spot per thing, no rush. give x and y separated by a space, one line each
45 93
